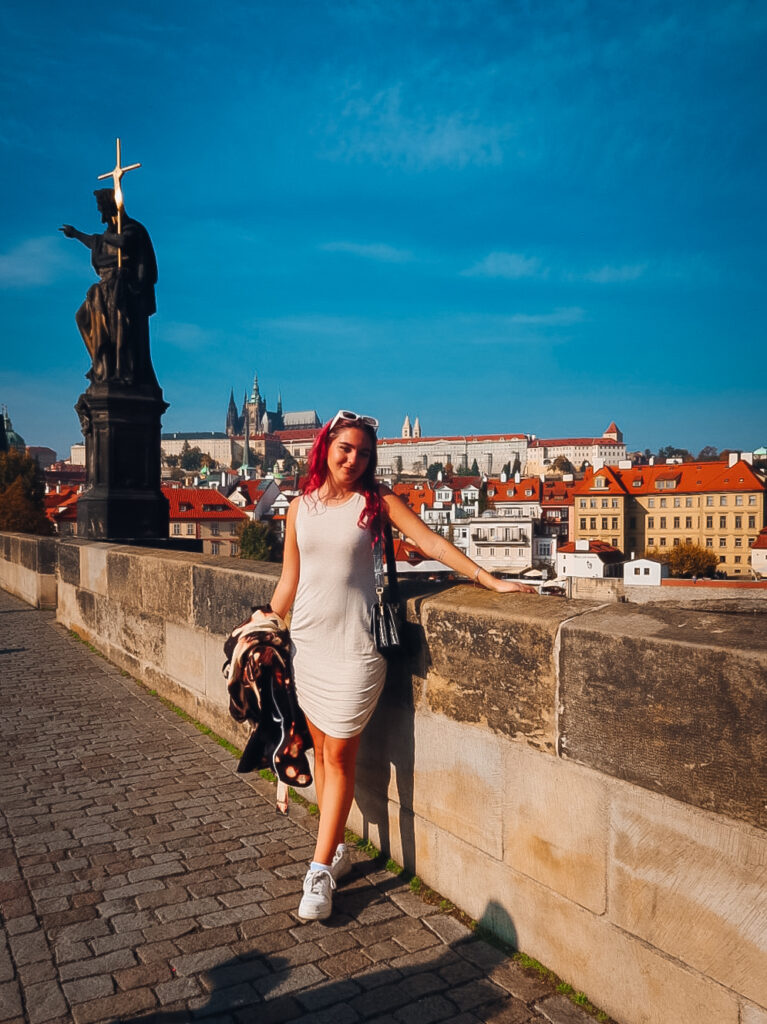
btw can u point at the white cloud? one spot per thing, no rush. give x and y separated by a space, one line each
38 261
381 252
612 275
560 317
507 264
384 129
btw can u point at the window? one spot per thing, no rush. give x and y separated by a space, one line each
752 499
722 499
663 542
604 503
214 529
235 549
663 502
190 529
492 552
592 502
614 503
676 542
615 542
650 542
738 499
677 522
722 542
176 529
614 523
709 522
709 500
738 522
677 502
752 522
721 558
637 570
722 522
646 571
663 522
738 542
651 502
604 522
583 523
709 542
215 548
688 502
506 552
592 523
650 522
688 522
583 503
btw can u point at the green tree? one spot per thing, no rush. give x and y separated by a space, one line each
507 470
191 458
686 560
397 468
474 468
259 542
434 470
22 490
708 454
670 452
562 464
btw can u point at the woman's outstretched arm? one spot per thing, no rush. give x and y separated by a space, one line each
435 546
285 591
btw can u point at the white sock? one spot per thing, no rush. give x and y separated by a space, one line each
341 848
316 866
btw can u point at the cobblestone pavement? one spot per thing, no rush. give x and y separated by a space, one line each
141 878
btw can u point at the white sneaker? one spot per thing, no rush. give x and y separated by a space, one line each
317 902
341 864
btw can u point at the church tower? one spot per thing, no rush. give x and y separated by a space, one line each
231 416
417 427
406 431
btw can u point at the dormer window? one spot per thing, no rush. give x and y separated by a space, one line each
599 482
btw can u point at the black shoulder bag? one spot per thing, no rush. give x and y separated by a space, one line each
386 614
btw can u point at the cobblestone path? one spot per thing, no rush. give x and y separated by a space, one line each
141 878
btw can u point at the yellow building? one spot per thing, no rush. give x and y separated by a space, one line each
713 504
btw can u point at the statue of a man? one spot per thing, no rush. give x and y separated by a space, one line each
114 319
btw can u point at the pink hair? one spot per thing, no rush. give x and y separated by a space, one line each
372 514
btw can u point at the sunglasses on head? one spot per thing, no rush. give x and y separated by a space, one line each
346 414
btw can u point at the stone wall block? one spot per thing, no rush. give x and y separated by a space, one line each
492 660
750 1014
631 981
69 561
125 576
139 635
184 656
215 684
224 597
672 701
555 824
166 586
93 568
693 886
47 555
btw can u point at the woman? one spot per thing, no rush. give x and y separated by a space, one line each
327 570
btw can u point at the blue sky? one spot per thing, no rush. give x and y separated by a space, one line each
498 216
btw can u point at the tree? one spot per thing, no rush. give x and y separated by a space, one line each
191 458
708 454
259 542
507 470
397 468
434 470
670 452
474 468
686 560
562 465
22 489
483 502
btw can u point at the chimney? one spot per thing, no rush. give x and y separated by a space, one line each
734 457
581 545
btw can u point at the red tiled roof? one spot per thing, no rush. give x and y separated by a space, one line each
606 552
200 503
450 437
761 540
298 434
692 477
559 442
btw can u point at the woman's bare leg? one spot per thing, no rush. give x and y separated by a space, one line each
335 762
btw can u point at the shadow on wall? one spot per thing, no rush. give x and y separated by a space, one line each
445 980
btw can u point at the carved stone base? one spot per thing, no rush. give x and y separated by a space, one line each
123 499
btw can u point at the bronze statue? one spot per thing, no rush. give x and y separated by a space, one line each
114 319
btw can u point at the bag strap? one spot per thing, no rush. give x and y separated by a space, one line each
381 547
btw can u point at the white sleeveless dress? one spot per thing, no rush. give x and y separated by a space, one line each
338 672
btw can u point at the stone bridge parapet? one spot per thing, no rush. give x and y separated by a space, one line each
597 772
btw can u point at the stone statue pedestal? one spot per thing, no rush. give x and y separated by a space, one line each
123 500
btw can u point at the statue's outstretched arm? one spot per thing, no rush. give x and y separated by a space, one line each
70 232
